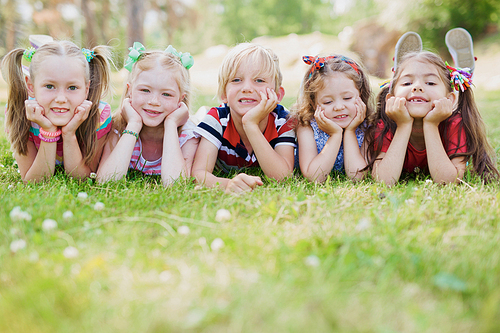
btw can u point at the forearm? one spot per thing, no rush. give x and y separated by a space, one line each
441 168
388 170
173 164
206 178
272 164
321 165
354 161
73 159
43 164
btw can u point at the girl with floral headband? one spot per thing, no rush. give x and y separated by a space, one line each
152 132
54 114
420 125
330 113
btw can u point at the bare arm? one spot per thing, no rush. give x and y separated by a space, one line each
354 159
275 163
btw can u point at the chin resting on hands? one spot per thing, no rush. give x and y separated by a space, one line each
326 125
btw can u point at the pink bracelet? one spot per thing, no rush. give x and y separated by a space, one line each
44 139
50 134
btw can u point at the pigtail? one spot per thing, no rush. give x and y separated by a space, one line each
16 122
99 87
481 152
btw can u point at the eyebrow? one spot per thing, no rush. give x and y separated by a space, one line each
424 75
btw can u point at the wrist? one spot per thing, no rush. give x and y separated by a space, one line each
134 127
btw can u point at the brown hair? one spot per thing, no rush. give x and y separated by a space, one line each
252 53
314 81
479 150
97 73
147 61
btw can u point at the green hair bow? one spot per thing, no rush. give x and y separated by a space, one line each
135 53
186 59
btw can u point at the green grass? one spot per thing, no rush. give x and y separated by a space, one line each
297 257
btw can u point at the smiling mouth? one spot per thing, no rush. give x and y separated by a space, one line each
247 101
59 110
417 100
342 116
152 112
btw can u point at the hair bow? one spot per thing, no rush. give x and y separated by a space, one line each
460 77
28 53
89 55
135 53
319 62
186 58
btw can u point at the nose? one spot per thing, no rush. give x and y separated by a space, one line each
60 97
417 87
338 106
154 100
247 86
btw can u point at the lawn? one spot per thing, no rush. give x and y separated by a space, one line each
289 257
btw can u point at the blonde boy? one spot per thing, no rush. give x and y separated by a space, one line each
251 128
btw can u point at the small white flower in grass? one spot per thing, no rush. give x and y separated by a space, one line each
223 215
409 201
70 252
183 230
93 175
428 181
10 187
17 214
312 261
49 225
67 215
2 166
363 224
82 196
429 198
17 245
98 206
217 244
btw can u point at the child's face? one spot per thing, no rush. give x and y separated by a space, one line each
243 91
421 85
338 98
59 87
155 94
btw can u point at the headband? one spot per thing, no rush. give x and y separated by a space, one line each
138 49
30 52
319 62
460 77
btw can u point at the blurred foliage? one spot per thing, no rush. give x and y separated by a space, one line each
433 18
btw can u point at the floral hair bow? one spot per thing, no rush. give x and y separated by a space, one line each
186 59
135 53
460 77
319 62
28 53
89 55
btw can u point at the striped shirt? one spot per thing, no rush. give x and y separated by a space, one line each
138 162
218 128
103 128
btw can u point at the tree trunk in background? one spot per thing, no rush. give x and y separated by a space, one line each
104 23
10 24
89 37
135 17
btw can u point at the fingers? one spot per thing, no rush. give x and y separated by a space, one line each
243 183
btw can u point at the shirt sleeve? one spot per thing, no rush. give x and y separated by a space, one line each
457 142
211 128
104 120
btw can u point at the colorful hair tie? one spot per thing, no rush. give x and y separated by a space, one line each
386 83
89 55
319 62
28 53
459 77
135 53
186 59
50 140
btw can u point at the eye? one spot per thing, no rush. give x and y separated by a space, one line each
406 83
73 88
260 80
347 98
144 90
431 83
167 94
49 86
327 102
236 80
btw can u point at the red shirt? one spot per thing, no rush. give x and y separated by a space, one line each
418 158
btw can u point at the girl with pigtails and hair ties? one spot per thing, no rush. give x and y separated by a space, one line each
54 115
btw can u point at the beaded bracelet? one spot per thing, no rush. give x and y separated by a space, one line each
44 139
50 134
132 133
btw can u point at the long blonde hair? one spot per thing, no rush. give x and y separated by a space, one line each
97 73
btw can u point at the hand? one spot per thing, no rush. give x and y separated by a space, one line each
36 114
81 113
325 124
130 115
268 102
360 115
442 109
179 116
243 183
395 108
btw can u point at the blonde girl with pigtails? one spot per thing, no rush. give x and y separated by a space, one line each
54 115
152 132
